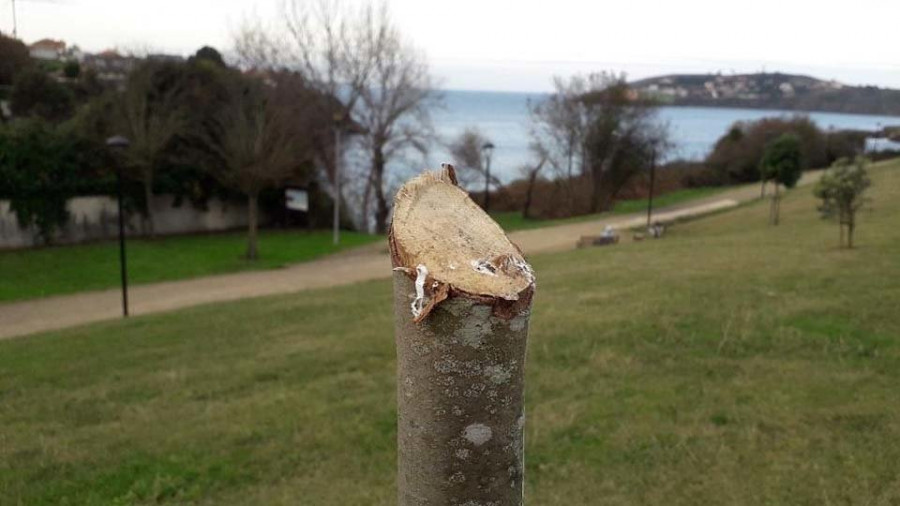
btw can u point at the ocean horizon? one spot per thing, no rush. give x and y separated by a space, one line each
502 116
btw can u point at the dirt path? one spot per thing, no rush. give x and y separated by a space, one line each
370 262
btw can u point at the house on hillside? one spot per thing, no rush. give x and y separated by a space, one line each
48 50
165 58
109 65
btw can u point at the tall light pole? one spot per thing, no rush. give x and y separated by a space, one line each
118 144
338 119
488 149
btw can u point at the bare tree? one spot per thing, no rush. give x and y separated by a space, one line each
598 124
558 124
467 150
531 173
358 56
394 108
259 141
622 135
148 113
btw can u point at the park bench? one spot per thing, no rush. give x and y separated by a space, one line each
608 237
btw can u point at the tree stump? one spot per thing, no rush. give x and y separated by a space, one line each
462 301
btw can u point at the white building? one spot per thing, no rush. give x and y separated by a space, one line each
47 49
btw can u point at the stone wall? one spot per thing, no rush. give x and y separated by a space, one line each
96 218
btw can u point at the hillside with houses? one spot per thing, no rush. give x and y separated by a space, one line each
770 91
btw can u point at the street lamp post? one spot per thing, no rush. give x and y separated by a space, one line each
488 149
119 143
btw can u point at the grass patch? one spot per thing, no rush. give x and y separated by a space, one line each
513 220
730 363
28 274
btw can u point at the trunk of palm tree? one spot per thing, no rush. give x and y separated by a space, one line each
252 225
462 301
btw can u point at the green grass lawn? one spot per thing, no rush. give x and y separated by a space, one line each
513 220
41 272
730 363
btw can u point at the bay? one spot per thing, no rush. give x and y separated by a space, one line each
503 118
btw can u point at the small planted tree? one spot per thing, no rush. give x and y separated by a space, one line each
258 141
147 112
842 190
782 163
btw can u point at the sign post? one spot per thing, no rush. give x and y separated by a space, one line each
296 199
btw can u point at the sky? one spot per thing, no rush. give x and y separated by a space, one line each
520 45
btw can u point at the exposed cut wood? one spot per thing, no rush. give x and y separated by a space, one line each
438 226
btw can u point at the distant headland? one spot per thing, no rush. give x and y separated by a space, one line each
770 91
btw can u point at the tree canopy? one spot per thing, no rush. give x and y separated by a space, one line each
783 161
14 58
35 93
842 191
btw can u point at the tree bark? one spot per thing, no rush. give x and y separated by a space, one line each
775 208
461 333
252 226
850 226
149 226
597 186
367 194
381 206
526 209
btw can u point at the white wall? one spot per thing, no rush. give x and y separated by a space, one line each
96 218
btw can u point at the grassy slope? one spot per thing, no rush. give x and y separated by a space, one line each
511 221
52 271
731 363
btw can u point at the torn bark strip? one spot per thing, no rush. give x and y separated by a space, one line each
462 299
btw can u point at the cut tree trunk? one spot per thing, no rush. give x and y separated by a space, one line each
462 301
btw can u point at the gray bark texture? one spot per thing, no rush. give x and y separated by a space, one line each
461 335
460 397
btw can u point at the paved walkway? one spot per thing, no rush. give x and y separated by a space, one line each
22 318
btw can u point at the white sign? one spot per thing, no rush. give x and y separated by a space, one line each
298 200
